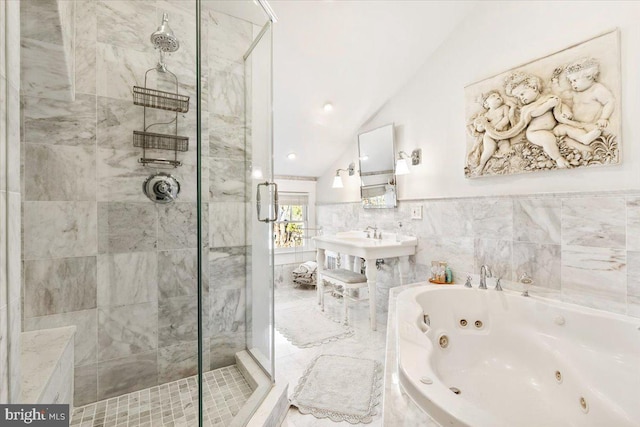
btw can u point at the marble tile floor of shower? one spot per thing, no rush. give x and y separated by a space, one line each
172 404
292 361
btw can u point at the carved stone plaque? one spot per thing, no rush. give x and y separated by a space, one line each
558 112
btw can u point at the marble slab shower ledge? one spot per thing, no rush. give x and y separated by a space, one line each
47 365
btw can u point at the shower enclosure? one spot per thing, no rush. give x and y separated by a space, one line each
169 288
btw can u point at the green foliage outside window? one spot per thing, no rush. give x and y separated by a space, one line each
289 229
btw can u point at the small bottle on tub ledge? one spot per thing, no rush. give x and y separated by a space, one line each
441 274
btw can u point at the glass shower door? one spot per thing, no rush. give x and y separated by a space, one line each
237 203
262 209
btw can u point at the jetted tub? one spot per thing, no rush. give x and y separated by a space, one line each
484 358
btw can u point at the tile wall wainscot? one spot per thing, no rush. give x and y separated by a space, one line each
10 196
283 274
97 253
585 247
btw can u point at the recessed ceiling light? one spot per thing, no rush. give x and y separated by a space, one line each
328 107
291 156
365 157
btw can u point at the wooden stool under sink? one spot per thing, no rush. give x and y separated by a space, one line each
342 280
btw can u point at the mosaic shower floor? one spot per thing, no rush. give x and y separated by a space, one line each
173 404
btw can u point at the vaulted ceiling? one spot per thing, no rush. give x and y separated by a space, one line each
353 54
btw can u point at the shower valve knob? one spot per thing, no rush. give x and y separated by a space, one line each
161 188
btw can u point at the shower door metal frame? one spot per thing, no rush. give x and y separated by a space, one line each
199 206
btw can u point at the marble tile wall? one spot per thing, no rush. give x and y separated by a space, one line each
10 196
229 156
583 246
47 41
97 253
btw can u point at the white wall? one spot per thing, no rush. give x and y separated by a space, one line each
429 111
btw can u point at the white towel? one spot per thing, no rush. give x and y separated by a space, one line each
306 268
311 265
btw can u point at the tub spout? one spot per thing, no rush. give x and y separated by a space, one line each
485 272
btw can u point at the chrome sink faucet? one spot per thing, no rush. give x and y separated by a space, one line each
375 231
485 272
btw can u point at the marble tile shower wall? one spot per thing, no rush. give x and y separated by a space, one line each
10 271
97 253
48 41
229 192
585 248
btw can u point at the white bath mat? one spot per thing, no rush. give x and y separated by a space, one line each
307 327
341 388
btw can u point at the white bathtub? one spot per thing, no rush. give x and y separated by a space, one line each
506 369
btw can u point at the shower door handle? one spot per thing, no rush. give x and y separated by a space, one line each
267 184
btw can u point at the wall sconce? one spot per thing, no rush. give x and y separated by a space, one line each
402 168
337 180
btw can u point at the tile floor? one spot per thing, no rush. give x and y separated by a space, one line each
172 404
175 404
291 361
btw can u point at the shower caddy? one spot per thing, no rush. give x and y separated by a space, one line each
161 187
162 100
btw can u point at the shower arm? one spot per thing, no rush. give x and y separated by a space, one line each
161 67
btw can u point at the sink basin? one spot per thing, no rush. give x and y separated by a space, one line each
360 237
356 243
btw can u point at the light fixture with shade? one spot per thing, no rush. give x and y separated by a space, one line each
337 180
402 167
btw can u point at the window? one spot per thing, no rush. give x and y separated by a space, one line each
289 230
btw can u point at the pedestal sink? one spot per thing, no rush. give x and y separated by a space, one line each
356 243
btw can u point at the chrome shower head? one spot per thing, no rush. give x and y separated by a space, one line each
163 38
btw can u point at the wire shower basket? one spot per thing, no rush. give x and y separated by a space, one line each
161 100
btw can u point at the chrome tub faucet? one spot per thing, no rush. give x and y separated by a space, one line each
485 272
467 284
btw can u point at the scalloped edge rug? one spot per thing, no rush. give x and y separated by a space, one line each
341 388
308 327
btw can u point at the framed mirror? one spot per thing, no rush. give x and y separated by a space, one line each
376 151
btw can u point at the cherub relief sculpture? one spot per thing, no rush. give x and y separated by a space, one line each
588 102
500 116
561 127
